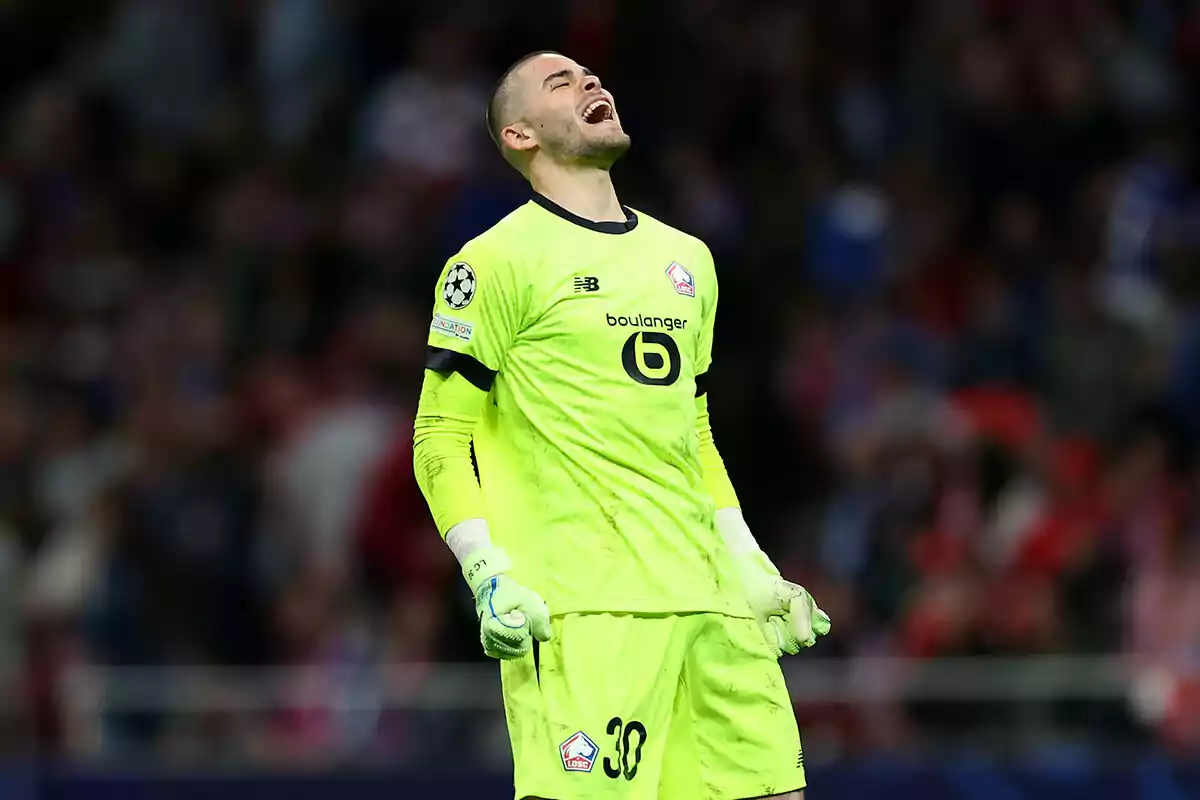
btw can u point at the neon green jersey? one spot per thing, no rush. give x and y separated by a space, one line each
589 338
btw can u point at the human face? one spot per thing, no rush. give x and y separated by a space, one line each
573 119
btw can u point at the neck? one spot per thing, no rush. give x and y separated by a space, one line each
585 191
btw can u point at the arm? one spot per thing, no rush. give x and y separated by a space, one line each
786 613
448 411
729 519
466 347
716 478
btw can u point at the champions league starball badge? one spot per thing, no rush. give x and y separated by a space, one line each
459 288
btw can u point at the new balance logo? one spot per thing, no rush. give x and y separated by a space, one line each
586 284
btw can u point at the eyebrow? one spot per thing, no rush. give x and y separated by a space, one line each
564 73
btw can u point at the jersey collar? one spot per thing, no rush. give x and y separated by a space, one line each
629 224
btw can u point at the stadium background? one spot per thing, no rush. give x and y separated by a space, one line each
957 378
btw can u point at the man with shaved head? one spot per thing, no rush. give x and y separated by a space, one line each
637 621
530 115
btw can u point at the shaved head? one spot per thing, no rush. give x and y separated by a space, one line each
500 107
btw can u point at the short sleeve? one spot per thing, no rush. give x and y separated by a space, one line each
476 314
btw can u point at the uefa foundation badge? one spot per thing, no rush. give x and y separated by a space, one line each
578 753
681 279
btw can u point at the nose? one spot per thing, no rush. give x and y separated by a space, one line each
590 83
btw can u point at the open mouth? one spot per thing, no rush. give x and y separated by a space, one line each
598 111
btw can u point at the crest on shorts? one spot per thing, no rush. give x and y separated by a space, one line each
578 753
681 279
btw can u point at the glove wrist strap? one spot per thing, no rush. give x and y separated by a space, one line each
734 530
472 545
741 541
483 565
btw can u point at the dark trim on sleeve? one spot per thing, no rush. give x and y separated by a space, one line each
606 226
440 359
702 384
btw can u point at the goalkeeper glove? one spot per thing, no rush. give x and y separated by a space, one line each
787 614
511 616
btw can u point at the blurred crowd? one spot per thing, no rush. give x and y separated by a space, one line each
957 365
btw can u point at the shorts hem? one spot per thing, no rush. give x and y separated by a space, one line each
749 792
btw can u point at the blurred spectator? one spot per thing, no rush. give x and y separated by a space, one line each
167 64
302 67
426 119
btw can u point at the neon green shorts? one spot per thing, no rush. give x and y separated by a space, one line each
677 707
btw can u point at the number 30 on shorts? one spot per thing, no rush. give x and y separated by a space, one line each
629 738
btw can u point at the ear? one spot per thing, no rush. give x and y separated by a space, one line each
518 136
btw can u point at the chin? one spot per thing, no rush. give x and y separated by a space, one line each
610 132
595 148
611 146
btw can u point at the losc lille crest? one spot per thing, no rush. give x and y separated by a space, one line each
578 753
681 279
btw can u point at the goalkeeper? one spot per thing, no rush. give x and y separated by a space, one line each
637 620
